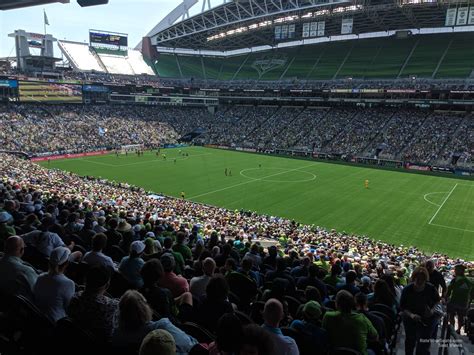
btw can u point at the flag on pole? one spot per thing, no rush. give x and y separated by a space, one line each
46 21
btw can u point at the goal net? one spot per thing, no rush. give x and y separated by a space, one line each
130 148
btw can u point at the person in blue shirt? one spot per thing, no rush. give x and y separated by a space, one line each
131 265
272 316
349 285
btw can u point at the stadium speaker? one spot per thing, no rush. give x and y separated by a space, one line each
85 3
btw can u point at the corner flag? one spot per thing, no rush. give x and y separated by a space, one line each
46 21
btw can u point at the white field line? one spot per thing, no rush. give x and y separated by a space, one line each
157 160
458 229
442 204
433 193
249 182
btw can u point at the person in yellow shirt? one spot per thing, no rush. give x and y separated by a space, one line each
366 183
182 195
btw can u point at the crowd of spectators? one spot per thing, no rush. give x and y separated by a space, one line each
435 133
254 284
416 136
58 129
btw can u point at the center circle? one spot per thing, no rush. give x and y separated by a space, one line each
278 171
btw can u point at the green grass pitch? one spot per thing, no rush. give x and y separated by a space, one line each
431 212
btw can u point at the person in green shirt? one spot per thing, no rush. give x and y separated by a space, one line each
178 258
459 296
333 279
181 247
347 328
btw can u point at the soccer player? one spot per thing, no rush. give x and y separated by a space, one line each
225 171
164 156
230 172
174 160
182 195
366 183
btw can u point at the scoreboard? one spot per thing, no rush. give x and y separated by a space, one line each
108 38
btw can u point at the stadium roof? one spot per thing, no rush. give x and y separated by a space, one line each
15 4
251 23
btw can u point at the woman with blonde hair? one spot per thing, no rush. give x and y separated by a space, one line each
135 322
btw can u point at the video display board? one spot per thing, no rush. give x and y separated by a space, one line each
114 39
36 91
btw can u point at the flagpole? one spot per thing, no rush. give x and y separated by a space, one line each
44 21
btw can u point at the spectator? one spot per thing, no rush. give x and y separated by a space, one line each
313 280
44 241
131 265
347 328
310 327
272 315
257 340
178 258
135 322
53 290
160 299
458 296
16 278
198 284
215 303
181 247
96 257
349 285
91 308
383 295
436 278
158 341
418 303
333 279
175 283
378 323
229 336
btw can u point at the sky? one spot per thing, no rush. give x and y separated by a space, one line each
72 22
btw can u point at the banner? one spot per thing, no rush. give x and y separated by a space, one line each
346 26
314 29
462 16
68 156
291 31
450 17
417 167
277 32
305 33
470 20
321 28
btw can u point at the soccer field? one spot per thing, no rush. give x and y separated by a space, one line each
431 212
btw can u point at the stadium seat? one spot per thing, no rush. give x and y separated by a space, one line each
197 331
344 351
34 327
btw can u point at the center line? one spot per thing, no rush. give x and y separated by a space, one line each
441 206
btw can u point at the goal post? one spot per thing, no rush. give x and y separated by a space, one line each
130 148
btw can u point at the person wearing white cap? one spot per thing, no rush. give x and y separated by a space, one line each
53 290
131 264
